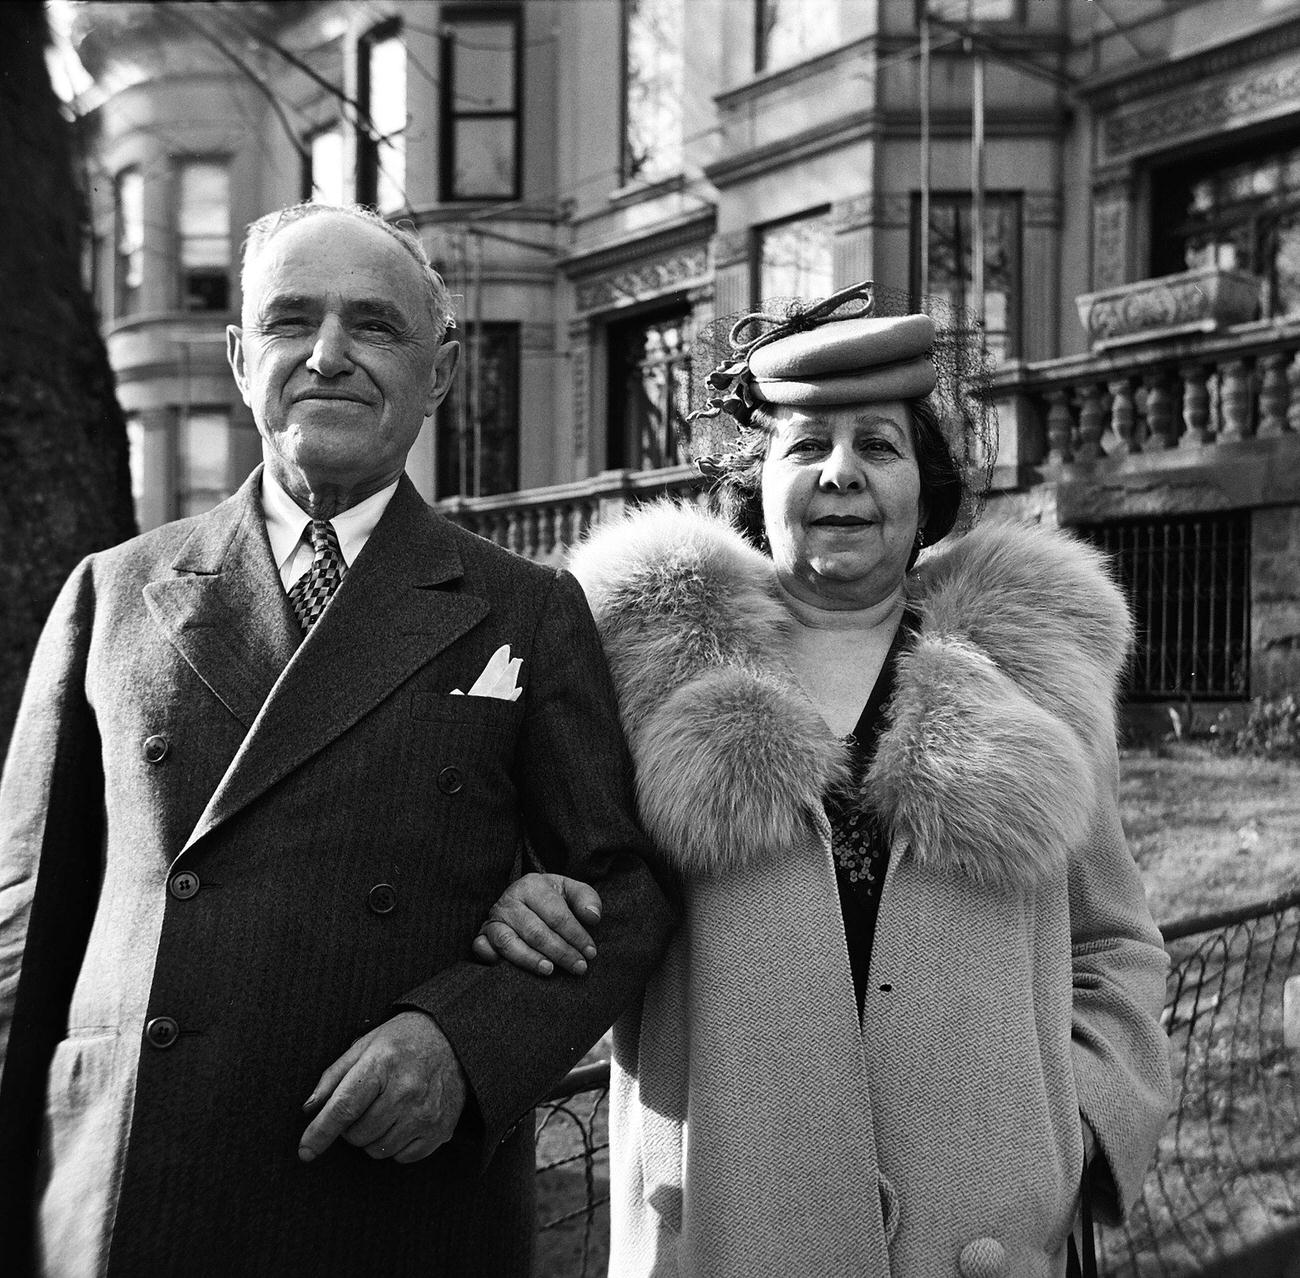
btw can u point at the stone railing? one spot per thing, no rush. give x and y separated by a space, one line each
542 523
1177 393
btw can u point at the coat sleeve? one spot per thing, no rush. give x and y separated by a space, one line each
516 1034
1121 1052
51 830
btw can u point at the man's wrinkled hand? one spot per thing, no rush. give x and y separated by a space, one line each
397 1093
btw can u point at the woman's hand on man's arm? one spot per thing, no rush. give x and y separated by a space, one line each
540 922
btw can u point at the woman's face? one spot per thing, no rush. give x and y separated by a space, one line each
841 501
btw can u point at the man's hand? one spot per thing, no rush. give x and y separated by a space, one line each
397 1093
537 924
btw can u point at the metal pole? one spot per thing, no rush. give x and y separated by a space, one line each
476 367
977 188
461 426
923 284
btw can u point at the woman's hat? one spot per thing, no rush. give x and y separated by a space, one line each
854 361
862 344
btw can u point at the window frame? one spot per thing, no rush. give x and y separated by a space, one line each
622 452
448 116
625 176
121 308
179 164
366 174
307 183
763 64
917 288
921 7
757 234
446 426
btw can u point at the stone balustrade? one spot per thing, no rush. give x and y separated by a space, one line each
1185 393
542 523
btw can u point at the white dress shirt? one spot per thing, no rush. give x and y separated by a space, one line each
286 523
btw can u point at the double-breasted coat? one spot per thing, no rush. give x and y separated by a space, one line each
226 851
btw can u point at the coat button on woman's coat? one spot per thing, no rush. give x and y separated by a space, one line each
155 748
450 780
983 1258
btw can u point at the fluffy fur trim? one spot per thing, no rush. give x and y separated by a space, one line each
1000 714
731 759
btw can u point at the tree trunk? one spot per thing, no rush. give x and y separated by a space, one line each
65 487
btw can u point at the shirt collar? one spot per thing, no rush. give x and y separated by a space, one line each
286 520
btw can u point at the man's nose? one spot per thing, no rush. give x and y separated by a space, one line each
330 355
842 470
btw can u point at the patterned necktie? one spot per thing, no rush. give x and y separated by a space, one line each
313 590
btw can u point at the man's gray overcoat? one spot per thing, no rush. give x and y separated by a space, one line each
226 852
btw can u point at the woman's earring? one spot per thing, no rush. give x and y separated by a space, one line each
920 538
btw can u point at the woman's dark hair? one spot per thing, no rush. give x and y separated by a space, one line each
738 476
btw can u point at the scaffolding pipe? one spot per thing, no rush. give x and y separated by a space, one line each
977 189
923 284
476 363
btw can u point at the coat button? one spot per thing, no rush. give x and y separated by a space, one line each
450 780
983 1258
184 884
155 748
161 1031
382 898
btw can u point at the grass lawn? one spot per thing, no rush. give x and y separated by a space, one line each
1209 831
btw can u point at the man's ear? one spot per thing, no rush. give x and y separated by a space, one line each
235 354
444 369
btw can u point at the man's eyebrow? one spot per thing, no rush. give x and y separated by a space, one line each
377 308
286 302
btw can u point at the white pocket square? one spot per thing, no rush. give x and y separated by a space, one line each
499 678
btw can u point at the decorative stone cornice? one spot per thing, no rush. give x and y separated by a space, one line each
651 277
632 247
1203 109
1117 88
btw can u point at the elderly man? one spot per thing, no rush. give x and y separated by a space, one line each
273 766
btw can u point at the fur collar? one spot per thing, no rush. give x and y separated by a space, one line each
1002 715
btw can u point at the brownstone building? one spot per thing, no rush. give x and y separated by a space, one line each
596 178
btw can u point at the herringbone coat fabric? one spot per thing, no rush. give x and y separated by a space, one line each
348 823
1016 979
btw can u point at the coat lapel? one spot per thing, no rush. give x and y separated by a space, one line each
227 613
385 622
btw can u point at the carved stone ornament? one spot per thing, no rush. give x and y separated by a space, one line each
1149 310
1203 109
644 280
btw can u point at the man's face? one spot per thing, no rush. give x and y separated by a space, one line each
337 356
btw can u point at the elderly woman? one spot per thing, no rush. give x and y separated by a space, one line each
916 992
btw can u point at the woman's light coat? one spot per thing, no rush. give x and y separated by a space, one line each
1017 978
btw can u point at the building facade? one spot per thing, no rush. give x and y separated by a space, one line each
597 179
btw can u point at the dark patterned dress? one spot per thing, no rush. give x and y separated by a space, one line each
859 844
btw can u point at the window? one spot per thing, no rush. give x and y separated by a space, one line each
203 460
971 12
203 235
480 111
793 258
951 277
478 422
652 108
1243 214
790 31
650 374
322 170
135 460
1188 581
128 235
381 147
